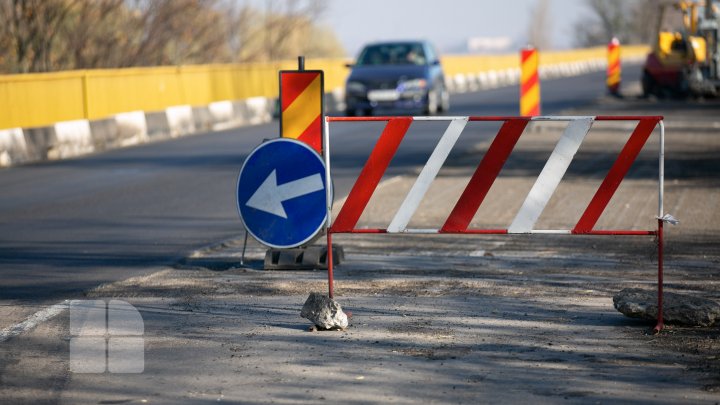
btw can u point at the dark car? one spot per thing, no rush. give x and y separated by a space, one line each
396 76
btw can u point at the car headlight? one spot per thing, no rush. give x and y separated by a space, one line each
412 85
356 87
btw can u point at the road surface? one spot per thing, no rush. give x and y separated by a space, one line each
70 225
437 319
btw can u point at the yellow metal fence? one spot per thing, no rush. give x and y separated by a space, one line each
32 100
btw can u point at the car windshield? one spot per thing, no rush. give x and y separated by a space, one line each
393 54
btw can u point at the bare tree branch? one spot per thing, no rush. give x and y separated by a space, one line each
630 22
540 30
44 35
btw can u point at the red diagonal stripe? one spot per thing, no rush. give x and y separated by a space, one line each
614 66
529 83
313 134
293 84
485 175
616 174
525 54
371 174
532 111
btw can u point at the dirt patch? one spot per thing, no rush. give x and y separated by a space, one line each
702 344
444 352
422 327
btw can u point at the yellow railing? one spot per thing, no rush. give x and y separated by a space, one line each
39 99
480 63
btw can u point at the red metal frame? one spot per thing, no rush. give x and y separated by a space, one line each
615 175
331 292
371 174
484 177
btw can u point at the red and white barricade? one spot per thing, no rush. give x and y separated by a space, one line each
460 217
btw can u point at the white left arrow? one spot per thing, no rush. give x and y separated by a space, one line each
270 196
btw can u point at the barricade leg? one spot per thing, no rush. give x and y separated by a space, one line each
660 324
330 264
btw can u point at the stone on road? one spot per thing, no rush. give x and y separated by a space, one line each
324 312
677 308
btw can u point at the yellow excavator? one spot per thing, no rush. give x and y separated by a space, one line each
685 61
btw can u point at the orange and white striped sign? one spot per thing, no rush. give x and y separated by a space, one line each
301 106
529 83
614 70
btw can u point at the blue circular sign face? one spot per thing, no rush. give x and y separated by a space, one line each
281 193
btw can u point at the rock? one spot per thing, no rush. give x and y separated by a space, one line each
677 308
324 312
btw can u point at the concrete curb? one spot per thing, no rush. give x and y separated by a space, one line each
68 139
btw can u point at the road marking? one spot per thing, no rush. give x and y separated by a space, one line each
33 320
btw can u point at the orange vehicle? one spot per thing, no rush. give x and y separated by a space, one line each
685 61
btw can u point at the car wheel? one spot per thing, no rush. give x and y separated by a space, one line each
358 112
444 100
649 87
432 102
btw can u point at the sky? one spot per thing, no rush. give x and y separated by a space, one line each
446 23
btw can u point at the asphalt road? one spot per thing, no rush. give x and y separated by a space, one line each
68 226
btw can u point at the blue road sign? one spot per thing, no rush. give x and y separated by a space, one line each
281 193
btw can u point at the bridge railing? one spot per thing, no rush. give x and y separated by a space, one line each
41 99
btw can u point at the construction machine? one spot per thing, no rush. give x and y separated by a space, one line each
685 61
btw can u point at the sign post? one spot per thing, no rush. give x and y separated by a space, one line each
529 83
281 193
302 113
614 70
284 189
301 105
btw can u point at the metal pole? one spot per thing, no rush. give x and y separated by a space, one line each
242 257
301 63
661 171
660 324
328 201
331 293
660 242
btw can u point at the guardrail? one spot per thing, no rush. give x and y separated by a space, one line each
60 115
32 100
40 99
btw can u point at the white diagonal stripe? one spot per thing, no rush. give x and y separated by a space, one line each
427 175
33 320
549 179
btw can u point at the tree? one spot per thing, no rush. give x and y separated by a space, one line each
94 35
31 30
629 21
283 30
47 35
540 29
